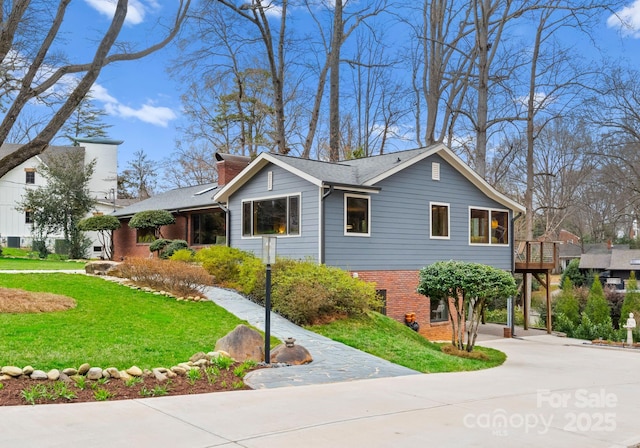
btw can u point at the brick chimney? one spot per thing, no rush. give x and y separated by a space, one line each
229 166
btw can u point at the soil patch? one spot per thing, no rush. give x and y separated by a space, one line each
19 301
19 391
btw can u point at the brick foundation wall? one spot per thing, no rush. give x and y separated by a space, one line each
402 298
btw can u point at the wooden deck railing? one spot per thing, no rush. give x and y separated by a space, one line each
536 256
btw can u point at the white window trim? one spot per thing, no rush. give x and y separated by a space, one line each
344 223
437 237
490 210
265 198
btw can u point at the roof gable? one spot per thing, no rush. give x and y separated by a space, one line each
361 174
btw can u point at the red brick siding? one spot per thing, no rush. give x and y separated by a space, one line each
124 238
402 298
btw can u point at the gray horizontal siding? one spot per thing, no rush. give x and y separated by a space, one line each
284 184
400 225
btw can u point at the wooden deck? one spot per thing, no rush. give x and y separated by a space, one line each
536 256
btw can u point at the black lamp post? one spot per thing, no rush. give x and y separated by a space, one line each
268 257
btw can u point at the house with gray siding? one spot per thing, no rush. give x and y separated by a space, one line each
382 218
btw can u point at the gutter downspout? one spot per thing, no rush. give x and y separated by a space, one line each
322 225
227 223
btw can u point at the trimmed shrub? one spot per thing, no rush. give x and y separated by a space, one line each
183 255
180 279
158 245
173 246
562 323
223 263
590 330
307 293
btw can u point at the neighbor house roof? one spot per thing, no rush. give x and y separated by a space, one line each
625 260
595 261
361 174
10 148
179 199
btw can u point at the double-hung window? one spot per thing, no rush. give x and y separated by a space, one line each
357 215
487 226
439 220
272 216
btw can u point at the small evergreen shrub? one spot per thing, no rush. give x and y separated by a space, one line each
573 273
567 303
564 324
172 247
307 293
183 255
590 330
223 263
159 245
597 308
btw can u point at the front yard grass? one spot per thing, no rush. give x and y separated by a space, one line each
386 338
112 325
23 264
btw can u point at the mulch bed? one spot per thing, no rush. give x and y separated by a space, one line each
11 393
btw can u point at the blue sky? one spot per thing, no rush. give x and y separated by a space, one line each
143 103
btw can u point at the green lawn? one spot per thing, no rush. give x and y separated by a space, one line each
24 264
112 325
391 340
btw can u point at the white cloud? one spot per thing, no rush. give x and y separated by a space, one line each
540 99
135 12
627 20
148 113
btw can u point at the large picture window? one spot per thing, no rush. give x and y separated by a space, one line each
439 311
357 211
280 216
208 228
488 226
439 220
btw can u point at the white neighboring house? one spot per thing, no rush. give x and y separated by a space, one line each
15 227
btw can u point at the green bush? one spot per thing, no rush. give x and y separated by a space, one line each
158 245
573 273
564 324
567 303
40 247
183 255
307 293
631 302
500 316
590 330
172 247
597 308
223 263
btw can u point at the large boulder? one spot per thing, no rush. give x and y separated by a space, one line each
289 353
103 267
243 344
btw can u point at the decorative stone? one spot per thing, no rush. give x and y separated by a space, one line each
134 371
124 376
179 370
171 374
83 369
12 371
70 371
105 374
204 362
159 375
5 377
289 353
53 374
39 375
94 373
113 372
198 356
27 370
64 378
242 344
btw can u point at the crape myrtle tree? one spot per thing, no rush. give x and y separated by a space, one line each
464 286
32 67
104 225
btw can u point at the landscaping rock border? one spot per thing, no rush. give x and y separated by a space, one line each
198 361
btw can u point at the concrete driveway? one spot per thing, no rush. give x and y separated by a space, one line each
551 392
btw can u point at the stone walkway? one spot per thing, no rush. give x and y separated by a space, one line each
332 361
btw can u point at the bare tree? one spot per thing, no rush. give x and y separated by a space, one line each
33 84
190 165
138 180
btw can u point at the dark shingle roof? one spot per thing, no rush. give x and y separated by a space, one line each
187 198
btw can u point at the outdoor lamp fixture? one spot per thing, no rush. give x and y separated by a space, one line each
268 257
